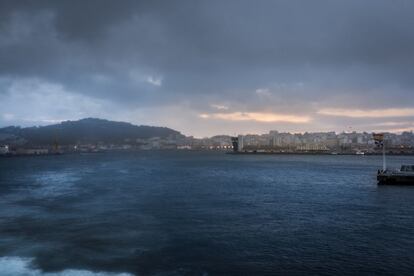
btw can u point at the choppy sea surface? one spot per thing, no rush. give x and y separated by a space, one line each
203 213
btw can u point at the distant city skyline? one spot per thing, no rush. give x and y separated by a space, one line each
210 67
99 135
350 130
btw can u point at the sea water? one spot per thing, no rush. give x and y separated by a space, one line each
203 213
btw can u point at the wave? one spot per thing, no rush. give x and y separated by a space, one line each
17 266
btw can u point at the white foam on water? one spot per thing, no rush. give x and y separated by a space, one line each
16 266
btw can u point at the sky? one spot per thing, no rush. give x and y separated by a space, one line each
210 67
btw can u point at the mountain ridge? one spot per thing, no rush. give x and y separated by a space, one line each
87 130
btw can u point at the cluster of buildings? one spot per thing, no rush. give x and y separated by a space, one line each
6 150
19 148
329 142
274 141
351 142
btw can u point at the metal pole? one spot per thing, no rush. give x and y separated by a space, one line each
384 162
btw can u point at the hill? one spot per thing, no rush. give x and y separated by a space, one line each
89 130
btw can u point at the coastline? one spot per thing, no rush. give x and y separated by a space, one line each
314 153
11 155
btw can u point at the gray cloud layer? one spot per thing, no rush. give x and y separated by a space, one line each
167 62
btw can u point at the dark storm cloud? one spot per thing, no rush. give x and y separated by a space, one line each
303 54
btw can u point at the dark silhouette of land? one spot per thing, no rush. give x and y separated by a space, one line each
89 130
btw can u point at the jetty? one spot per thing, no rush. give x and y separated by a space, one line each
402 176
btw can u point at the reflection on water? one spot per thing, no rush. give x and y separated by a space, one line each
53 183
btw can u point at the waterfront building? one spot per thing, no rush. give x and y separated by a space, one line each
4 150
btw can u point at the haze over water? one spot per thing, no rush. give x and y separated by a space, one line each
203 213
